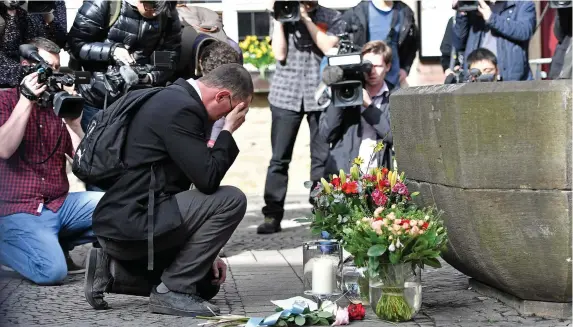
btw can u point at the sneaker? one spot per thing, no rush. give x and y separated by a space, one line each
181 304
73 268
270 226
98 278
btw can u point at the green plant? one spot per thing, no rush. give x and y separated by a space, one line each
257 53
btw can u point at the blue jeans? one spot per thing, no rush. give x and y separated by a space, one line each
30 244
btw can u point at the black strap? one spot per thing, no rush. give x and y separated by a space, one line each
150 223
393 24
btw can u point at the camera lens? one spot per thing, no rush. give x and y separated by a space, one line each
347 93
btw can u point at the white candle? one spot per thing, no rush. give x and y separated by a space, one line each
322 276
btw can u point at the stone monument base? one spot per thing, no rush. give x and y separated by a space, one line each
524 307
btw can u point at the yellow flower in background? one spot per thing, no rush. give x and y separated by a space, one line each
257 51
358 161
268 38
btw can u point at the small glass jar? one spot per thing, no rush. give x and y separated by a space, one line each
355 283
396 292
320 265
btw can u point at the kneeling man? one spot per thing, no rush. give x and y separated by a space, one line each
39 220
166 151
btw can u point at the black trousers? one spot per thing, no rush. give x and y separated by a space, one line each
184 256
284 129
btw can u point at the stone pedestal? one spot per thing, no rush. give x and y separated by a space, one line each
496 158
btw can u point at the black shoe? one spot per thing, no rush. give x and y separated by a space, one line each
270 226
73 269
180 304
98 278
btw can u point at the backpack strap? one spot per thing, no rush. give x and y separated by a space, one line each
393 24
150 220
114 12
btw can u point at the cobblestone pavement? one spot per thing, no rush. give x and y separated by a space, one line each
261 268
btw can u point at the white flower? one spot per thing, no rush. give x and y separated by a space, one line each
398 244
393 206
427 217
392 247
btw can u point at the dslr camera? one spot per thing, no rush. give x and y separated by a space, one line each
466 6
289 11
473 75
345 74
32 7
65 105
122 78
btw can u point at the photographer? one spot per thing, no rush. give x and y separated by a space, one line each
37 213
298 48
485 61
389 21
99 38
504 28
20 27
355 131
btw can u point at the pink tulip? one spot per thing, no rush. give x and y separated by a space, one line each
342 317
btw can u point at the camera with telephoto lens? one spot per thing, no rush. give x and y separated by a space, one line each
346 70
65 105
32 7
122 78
286 11
473 75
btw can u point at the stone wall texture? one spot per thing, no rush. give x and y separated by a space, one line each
496 158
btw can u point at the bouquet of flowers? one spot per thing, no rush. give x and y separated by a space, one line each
395 243
347 198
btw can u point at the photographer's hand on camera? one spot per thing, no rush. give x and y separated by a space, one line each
30 89
120 54
484 10
366 99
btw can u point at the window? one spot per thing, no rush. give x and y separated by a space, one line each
253 23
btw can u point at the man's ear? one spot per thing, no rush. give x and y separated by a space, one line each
221 95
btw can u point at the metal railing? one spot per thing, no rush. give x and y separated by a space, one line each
539 74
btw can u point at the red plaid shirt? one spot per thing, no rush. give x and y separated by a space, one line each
31 178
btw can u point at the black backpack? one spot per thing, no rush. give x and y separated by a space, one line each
98 158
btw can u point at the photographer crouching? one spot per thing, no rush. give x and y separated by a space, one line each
37 213
131 36
355 130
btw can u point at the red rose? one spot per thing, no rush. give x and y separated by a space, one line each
384 183
425 225
350 188
356 311
385 171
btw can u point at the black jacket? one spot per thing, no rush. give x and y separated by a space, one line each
342 129
561 62
175 138
356 20
91 41
446 47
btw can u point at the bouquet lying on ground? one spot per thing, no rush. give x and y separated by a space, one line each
299 313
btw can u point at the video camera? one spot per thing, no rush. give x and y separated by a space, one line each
65 105
32 7
345 74
474 75
286 11
121 78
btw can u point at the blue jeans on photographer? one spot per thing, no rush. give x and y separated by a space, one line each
87 116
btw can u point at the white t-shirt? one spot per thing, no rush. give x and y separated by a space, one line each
369 136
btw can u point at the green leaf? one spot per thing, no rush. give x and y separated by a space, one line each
306 311
432 262
394 258
377 250
281 323
300 320
279 309
323 322
414 194
324 314
290 319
